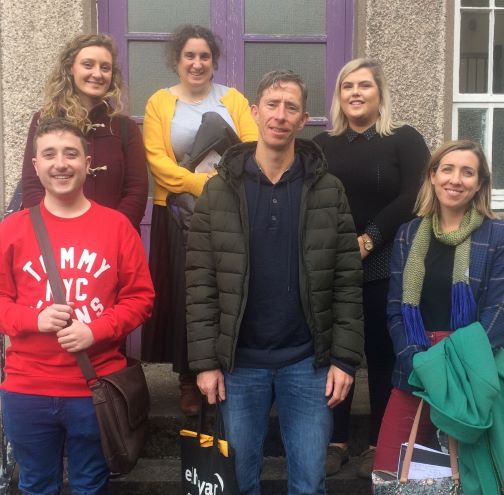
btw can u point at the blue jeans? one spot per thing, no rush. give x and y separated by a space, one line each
38 428
305 423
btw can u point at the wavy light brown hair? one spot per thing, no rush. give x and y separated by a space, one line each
384 125
61 98
427 203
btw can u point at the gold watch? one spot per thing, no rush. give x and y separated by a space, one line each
368 243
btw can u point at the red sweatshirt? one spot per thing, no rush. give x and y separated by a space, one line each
104 270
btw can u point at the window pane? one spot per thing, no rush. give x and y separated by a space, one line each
306 60
160 16
472 124
499 3
284 17
498 69
473 73
474 3
147 73
310 131
498 149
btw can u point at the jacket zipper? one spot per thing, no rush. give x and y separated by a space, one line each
244 219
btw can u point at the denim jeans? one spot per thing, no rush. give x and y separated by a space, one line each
305 423
39 427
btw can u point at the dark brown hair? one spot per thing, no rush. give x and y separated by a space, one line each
48 126
185 33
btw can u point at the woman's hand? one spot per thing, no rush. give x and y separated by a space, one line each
363 253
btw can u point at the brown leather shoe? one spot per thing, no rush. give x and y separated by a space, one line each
336 457
366 461
190 396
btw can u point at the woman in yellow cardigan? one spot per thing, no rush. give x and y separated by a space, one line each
172 119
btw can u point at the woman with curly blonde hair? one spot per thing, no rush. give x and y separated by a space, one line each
85 87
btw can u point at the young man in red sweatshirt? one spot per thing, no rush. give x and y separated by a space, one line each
45 399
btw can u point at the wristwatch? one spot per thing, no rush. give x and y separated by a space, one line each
368 243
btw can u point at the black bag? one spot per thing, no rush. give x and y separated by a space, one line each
121 399
214 134
207 464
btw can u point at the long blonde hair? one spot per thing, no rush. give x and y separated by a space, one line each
384 125
60 97
427 203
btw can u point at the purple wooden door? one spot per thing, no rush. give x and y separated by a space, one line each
311 38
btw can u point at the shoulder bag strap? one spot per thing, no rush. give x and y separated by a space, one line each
411 443
56 283
452 448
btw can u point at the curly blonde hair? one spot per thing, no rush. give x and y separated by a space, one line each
60 97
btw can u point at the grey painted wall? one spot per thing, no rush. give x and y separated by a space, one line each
32 32
413 41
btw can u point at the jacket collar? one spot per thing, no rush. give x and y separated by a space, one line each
232 163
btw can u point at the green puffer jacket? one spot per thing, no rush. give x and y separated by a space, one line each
217 264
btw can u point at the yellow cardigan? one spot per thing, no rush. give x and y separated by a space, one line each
168 175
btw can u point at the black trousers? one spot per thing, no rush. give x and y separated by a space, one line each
380 360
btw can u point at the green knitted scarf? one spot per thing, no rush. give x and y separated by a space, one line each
463 304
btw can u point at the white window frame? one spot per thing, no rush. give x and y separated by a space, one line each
484 101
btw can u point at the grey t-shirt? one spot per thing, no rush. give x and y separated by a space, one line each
187 119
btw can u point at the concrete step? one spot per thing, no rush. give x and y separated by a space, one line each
162 477
158 470
166 419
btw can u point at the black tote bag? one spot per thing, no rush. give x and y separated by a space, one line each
207 461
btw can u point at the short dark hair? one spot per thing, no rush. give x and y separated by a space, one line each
48 126
185 33
276 77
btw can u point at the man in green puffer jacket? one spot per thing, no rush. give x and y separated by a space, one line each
274 291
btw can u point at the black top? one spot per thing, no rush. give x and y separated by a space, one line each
274 332
381 175
435 301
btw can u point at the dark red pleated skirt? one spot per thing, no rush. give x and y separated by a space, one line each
164 336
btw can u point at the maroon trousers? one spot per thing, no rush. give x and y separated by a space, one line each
398 420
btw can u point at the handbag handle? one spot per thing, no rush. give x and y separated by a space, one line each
218 430
56 283
452 448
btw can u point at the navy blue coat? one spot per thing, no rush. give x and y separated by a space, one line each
486 278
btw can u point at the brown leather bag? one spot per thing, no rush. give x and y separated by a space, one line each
121 399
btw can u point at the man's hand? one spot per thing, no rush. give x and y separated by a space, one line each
76 337
211 384
337 386
54 317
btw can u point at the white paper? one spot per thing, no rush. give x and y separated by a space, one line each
426 470
208 163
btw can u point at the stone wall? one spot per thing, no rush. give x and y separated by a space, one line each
413 41
31 35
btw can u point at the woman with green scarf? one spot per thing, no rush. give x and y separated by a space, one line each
447 272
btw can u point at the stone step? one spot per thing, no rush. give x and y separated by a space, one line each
166 419
162 436
158 470
162 477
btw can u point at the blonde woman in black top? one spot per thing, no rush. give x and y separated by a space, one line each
380 163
